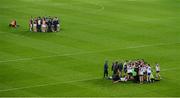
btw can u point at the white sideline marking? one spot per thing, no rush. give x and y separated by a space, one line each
50 84
79 53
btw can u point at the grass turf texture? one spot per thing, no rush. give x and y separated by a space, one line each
70 63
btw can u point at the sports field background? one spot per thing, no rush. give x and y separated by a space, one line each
70 63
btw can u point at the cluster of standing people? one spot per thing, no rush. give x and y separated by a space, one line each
138 71
44 24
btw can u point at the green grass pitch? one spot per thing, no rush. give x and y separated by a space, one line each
70 63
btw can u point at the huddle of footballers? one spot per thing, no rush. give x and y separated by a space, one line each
44 24
137 70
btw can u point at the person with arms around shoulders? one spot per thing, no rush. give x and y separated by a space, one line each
120 68
141 73
35 25
44 26
31 24
39 24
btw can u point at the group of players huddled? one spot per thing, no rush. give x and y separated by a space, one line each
44 24
137 70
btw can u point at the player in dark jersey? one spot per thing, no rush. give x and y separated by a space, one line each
54 25
39 23
49 24
106 69
120 65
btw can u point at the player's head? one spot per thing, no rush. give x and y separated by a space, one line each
116 62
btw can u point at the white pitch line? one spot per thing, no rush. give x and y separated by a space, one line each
42 85
90 52
41 57
170 69
57 83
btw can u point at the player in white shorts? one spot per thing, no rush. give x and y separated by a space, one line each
44 27
35 26
125 79
58 24
129 71
141 73
157 71
31 24
148 73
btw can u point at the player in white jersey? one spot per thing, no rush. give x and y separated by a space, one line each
141 73
144 68
148 73
44 26
35 26
158 71
129 71
124 79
